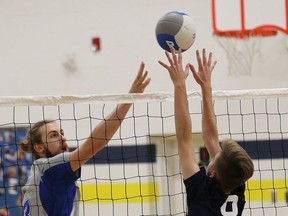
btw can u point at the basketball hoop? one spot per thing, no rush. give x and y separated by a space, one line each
243 45
241 48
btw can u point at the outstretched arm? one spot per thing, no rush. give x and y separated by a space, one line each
182 117
203 78
103 132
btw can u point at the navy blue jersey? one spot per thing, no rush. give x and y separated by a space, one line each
51 188
204 197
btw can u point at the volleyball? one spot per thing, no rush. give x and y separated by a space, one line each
176 29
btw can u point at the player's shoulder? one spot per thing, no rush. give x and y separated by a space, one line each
197 181
199 174
46 163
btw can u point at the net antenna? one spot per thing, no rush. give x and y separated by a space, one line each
243 45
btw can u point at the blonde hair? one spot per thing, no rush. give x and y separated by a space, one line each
33 135
234 166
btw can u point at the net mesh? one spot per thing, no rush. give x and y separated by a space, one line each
138 173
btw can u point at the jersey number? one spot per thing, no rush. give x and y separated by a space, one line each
230 208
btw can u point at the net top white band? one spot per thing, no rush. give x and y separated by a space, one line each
129 98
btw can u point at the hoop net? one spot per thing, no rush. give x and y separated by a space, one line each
241 48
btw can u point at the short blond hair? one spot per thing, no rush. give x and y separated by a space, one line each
234 166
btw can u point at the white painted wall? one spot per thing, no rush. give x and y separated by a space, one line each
37 37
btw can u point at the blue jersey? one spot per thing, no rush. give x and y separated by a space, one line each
204 197
51 188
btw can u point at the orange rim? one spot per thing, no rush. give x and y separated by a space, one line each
247 33
242 33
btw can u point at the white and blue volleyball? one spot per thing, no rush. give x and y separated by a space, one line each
177 29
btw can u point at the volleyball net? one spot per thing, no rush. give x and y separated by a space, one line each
138 173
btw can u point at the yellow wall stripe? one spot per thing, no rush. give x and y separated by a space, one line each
256 190
119 192
262 190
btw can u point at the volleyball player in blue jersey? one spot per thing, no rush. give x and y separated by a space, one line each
219 190
51 189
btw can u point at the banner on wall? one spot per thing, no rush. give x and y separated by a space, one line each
14 168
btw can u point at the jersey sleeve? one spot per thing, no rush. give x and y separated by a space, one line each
57 172
60 175
195 183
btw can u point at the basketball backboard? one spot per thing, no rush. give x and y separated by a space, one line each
240 25
242 15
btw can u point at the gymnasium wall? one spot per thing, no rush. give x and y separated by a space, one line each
46 47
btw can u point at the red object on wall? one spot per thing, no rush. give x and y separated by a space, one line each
96 44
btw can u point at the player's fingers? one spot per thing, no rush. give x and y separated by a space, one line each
209 59
204 58
139 73
192 69
164 65
180 56
144 81
213 65
186 70
143 77
141 69
194 73
169 58
199 61
174 56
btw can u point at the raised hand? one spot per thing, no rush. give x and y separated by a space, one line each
178 75
141 81
205 68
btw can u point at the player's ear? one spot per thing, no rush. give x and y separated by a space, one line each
213 174
39 147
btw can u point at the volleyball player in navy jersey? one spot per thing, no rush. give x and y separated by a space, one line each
51 189
219 189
